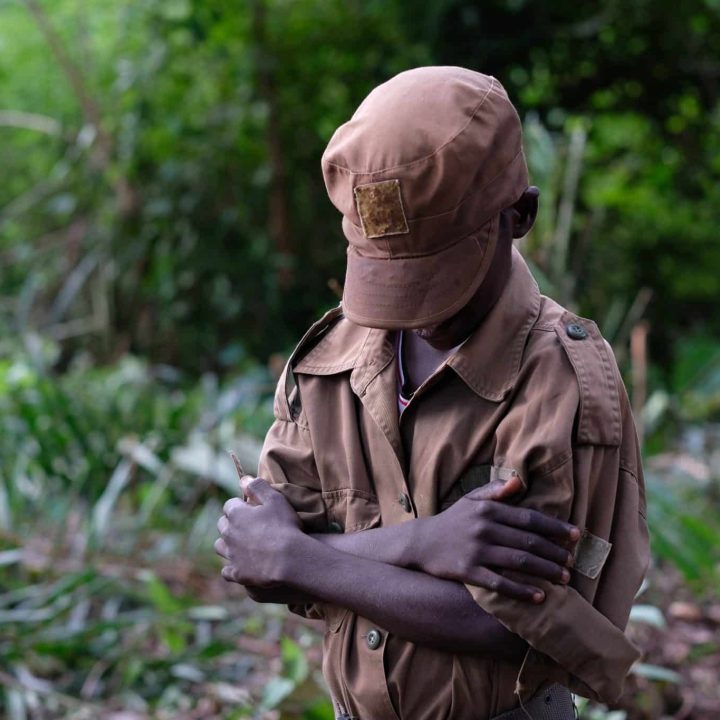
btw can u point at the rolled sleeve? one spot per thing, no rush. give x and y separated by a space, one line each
287 462
581 626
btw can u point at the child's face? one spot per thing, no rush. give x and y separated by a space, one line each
450 333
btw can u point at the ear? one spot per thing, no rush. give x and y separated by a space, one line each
525 211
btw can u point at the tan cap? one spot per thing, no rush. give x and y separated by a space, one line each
420 173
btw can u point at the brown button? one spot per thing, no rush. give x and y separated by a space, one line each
373 639
404 501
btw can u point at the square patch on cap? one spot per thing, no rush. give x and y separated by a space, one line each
381 209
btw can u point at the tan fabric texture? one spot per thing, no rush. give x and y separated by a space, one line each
521 395
419 173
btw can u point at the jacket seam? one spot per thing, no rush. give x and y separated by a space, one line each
624 468
551 465
292 421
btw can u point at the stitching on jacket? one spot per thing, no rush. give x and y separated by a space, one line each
551 465
642 507
589 409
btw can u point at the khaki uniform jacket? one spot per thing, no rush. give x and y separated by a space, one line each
535 390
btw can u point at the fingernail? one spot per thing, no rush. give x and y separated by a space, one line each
538 597
574 534
565 576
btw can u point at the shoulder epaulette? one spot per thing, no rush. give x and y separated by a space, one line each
599 420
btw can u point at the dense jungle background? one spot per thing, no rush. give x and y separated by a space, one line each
164 240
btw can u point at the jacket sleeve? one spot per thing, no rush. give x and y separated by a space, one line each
287 462
597 484
287 459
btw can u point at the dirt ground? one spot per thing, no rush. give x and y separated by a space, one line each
688 645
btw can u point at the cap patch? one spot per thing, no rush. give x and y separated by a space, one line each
381 209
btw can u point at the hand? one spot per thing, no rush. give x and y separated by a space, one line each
479 537
257 535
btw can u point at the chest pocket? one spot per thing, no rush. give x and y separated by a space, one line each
474 477
350 510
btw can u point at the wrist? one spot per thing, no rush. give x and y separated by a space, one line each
415 550
299 555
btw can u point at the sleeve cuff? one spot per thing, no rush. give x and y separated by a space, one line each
568 629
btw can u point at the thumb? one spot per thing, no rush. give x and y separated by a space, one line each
257 491
498 489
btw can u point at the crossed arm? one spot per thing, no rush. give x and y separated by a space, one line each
407 578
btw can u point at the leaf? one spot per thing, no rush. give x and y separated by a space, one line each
173 636
655 672
295 665
649 615
208 612
275 692
176 9
185 671
160 595
320 710
10 557
104 506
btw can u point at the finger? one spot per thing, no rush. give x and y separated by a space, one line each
222 524
259 491
509 588
534 521
497 489
221 548
232 506
526 563
245 480
228 573
531 543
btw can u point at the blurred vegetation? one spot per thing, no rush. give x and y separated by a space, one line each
164 232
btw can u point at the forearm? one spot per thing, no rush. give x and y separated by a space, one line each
412 605
394 544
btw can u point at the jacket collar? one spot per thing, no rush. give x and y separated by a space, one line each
488 362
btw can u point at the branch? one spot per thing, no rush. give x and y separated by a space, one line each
30 121
90 108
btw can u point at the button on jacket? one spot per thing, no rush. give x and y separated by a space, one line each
535 391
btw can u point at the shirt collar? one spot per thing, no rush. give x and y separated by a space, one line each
489 361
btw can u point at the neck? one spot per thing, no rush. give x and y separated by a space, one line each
495 282
420 359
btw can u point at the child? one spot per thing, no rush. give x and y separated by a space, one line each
455 481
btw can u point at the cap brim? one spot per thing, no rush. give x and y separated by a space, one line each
415 292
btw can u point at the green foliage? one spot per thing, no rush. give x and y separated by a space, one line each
112 482
177 144
163 225
686 532
199 194
133 423
81 642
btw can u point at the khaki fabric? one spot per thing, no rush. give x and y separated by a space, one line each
520 395
420 173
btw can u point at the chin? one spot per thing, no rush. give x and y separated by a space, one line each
438 337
